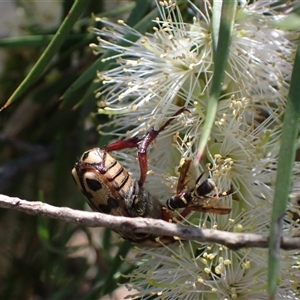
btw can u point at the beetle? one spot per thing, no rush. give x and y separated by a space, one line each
110 189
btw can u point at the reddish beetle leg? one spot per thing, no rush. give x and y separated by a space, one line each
142 144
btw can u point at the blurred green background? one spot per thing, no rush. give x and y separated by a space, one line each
41 137
52 118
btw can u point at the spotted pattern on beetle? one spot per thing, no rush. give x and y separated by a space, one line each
102 181
108 188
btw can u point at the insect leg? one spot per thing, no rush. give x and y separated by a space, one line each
148 138
142 144
123 144
227 193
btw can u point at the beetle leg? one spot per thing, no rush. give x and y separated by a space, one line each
142 144
123 144
146 140
151 135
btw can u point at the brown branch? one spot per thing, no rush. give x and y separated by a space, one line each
158 227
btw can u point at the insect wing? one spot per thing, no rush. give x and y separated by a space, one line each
209 205
183 179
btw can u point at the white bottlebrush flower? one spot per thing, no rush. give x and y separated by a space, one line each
156 75
210 272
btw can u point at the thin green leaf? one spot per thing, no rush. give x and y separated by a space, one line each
221 54
50 51
124 9
36 40
216 20
284 172
138 12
